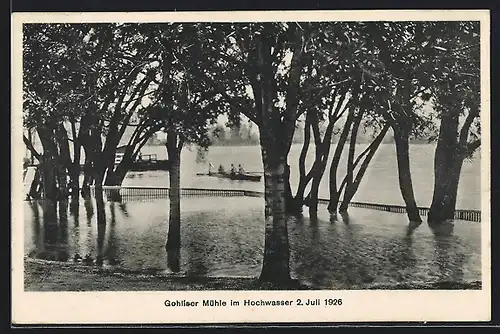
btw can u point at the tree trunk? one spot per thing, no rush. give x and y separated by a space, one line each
74 173
313 199
173 244
304 178
48 163
75 168
100 167
62 181
101 227
445 194
291 205
275 268
401 138
65 163
36 185
352 188
63 254
74 179
91 142
334 192
74 208
50 229
116 175
88 176
448 162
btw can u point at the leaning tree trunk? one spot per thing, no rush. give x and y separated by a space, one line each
448 162
115 178
275 267
304 178
173 244
36 188
333 190
318 170
116 174
352 188
401 138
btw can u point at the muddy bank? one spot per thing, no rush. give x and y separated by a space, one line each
42 275
57 276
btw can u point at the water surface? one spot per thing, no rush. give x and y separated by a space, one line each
379 185
225 237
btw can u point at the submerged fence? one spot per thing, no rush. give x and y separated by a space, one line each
145 193
470 215
162 192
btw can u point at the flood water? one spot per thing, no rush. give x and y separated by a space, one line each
379 185
224 237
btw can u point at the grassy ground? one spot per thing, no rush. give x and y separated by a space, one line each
54 276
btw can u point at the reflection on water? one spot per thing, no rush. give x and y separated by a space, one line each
224 237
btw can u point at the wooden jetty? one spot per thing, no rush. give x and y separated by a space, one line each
146 162
149 162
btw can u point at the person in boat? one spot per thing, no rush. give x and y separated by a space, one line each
240 169
233 170
221 169
210 166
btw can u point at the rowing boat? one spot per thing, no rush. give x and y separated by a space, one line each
237 176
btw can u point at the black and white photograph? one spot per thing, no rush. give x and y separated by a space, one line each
233 168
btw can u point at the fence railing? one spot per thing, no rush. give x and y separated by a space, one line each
144 192
162 192
470 215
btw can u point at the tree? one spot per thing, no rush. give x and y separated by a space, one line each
127 77
185 109
398 56
53 58
339 106
456 98
327 98
364 114
257 70
353 177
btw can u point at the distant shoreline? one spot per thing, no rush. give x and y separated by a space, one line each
312 144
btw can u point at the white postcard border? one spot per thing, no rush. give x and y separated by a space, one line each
148 307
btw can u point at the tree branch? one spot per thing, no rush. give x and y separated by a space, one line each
29 146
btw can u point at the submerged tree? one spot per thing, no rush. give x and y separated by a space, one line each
127 74
77 89
399 57
257 69
185 109
56 90
328 95
273 73
457 100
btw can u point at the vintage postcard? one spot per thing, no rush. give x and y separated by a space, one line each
251 167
